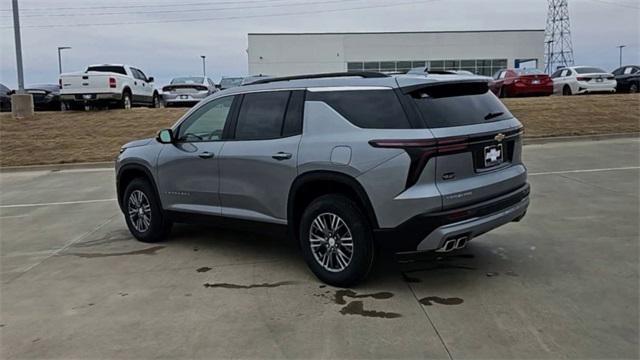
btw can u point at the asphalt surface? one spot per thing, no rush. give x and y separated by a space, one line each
563 283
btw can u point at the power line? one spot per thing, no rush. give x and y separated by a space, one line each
147 5
226 17
173 11
616 4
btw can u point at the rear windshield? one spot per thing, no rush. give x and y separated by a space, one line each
187 80
369 109
588 70
108 68
529 71
459 105
230 82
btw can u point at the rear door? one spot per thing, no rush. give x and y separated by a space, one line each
258 165
188 170
479 153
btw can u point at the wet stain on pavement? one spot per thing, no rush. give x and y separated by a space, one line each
357 308
341 294
35 340
252 286
148 251
203 269
108 238
82 306
442 301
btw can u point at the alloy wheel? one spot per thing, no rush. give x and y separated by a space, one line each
331 242
139 211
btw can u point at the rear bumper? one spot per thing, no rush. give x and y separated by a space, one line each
91 97
429 231
532 90
606 86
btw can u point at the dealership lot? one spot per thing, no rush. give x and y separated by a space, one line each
561 283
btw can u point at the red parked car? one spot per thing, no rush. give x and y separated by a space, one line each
521 82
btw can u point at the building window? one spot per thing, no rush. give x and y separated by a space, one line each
485 67
355 66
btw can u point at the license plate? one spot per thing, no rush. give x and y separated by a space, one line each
184 96
86 96
493 155
599 80
535 82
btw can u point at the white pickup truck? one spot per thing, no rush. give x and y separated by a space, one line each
107 84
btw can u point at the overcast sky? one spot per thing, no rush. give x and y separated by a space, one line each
165 46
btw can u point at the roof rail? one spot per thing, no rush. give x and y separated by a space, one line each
362 74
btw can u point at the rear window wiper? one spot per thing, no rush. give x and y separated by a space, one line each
492 115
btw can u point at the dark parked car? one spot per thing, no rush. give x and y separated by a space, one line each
521 82
46 97
5 98
628 78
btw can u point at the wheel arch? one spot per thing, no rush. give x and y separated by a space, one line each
310 185
127 173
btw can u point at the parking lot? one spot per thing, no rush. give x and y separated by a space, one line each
561 283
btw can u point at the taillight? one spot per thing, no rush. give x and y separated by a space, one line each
421 150
582 78
112 82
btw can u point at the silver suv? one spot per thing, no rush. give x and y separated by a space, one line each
348 162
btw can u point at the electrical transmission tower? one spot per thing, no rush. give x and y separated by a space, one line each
558 46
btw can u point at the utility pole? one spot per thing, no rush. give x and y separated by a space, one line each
204 68
21 102
60 48
621 47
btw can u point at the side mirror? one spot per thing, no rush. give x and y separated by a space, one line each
150 79
165 136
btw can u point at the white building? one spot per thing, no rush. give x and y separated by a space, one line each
482 52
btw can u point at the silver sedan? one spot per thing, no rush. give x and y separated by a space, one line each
187 91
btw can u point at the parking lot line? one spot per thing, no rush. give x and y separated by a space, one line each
56 203
585 170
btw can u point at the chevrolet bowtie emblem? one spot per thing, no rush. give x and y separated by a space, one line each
499 137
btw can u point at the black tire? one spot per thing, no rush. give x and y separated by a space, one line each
126 102
159 226
633 88
154 101
363 253
566 91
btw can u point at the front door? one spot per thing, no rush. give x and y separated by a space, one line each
188 170
259 164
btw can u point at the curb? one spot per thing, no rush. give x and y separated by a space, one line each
110 164
557 139
57 167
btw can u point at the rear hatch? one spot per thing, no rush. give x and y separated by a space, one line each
478 142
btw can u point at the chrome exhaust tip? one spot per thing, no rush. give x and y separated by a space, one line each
449 245
461 242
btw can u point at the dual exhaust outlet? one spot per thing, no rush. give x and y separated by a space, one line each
453 244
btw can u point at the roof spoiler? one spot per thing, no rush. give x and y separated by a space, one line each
449 88
362 74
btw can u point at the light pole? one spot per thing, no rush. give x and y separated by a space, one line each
60 48
204 68
621 47
21 101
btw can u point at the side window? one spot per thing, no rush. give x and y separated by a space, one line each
206 123
555 74
629 70
138 74
369 109
503 75
564 73
262 115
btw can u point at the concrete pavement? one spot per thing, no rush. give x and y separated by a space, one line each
563 283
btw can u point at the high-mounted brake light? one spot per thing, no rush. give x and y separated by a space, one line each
112 82
421 150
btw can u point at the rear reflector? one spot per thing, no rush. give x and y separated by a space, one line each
112 82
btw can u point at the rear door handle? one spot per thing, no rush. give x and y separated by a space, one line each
282 156
206 155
